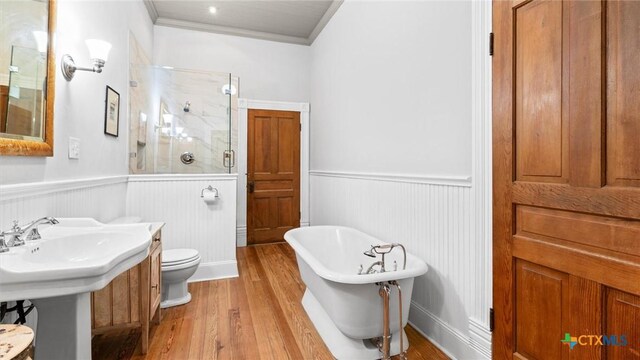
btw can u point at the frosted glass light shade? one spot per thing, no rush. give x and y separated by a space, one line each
98 49
41 40
229 89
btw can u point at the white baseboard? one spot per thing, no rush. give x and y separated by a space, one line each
480 337
450 340
215 271
241 236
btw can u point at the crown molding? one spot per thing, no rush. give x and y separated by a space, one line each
227 30
333 8
151 9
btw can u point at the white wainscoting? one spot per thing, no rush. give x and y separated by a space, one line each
100 198
433 217
190 223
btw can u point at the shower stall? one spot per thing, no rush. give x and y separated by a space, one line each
182 121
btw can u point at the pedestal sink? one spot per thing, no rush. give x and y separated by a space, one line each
59 272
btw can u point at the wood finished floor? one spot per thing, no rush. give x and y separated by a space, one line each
255 316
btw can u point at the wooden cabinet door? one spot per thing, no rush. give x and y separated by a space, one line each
117 304
273 199
155 295
566 171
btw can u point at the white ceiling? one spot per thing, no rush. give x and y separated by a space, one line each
297 22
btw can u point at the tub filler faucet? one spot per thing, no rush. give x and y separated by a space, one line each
384 249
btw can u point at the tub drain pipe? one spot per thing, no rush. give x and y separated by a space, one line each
402 352
386 332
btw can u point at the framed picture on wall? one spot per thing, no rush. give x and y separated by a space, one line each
112 112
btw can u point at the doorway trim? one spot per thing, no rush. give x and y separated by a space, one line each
243 112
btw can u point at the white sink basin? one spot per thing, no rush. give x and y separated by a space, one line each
71 259
58 272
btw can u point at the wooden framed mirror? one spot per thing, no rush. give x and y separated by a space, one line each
27 77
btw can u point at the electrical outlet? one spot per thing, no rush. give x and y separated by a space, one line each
74 148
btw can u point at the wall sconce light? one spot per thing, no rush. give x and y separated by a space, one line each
98 53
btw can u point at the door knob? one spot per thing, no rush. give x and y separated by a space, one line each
251 186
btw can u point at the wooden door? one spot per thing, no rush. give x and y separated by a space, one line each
566 167
273 199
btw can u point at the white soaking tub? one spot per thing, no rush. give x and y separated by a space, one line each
345 306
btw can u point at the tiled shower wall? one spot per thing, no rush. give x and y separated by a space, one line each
205 129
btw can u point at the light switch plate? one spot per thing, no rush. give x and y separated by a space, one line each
74 148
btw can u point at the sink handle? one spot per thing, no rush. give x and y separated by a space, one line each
34 234
3 245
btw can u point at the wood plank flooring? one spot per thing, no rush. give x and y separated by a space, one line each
255 316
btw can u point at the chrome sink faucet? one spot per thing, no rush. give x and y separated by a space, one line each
32 227
13 237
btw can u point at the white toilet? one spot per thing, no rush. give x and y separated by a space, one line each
178 265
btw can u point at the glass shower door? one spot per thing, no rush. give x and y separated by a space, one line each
194 117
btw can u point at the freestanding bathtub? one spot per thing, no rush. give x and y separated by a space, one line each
344 306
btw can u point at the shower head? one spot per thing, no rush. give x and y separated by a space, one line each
187 105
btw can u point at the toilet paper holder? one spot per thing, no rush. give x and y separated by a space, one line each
210 189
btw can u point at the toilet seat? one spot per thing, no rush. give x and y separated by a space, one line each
174 258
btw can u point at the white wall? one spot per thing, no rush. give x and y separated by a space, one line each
399 139
79 104
267 70
391 88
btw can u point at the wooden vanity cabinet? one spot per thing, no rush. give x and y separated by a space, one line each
155 295
132 299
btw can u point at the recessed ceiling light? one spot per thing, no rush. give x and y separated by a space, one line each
212 9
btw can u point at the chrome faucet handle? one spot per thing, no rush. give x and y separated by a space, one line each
17 230
3 246
12 237
34 234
